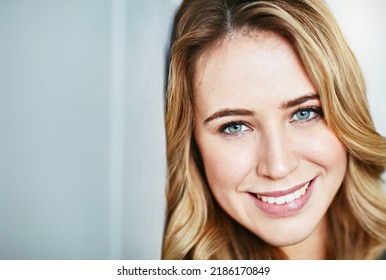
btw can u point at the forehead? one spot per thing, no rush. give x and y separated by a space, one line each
233 47
246 67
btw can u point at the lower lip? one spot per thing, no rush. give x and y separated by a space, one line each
286 209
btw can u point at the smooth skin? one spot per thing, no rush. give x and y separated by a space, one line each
259 128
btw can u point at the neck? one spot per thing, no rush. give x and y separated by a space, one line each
312 248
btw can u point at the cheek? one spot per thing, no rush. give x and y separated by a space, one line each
325 150
225 164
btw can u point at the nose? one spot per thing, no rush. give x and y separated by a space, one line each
277 156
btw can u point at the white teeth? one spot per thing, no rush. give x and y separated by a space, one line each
286 198
271 200
289 197
280 200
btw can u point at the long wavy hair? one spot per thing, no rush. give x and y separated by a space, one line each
197 228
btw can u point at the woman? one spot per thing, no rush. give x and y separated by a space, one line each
272 153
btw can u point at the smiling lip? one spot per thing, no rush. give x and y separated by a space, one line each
283 193
275 205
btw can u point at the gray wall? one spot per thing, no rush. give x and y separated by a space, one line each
82 148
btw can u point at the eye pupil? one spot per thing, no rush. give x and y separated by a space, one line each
235 128
303 114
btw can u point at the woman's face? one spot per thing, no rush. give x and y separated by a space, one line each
270 160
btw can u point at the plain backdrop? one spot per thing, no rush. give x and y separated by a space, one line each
82 144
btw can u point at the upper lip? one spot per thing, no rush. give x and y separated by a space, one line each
284 192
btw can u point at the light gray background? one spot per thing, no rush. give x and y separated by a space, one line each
82 146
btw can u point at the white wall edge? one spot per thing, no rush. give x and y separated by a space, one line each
116 149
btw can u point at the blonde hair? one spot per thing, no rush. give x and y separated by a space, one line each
197 228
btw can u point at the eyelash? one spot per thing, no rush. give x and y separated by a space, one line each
230 124
316 110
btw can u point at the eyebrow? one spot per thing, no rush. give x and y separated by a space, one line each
229 112
298 101
243 112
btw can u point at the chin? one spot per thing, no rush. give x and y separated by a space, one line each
286 234
286 240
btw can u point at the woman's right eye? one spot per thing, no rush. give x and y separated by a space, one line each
234 128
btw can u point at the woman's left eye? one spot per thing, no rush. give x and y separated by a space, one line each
305 114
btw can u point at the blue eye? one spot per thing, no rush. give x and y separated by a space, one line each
306 114
303 115
234 128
